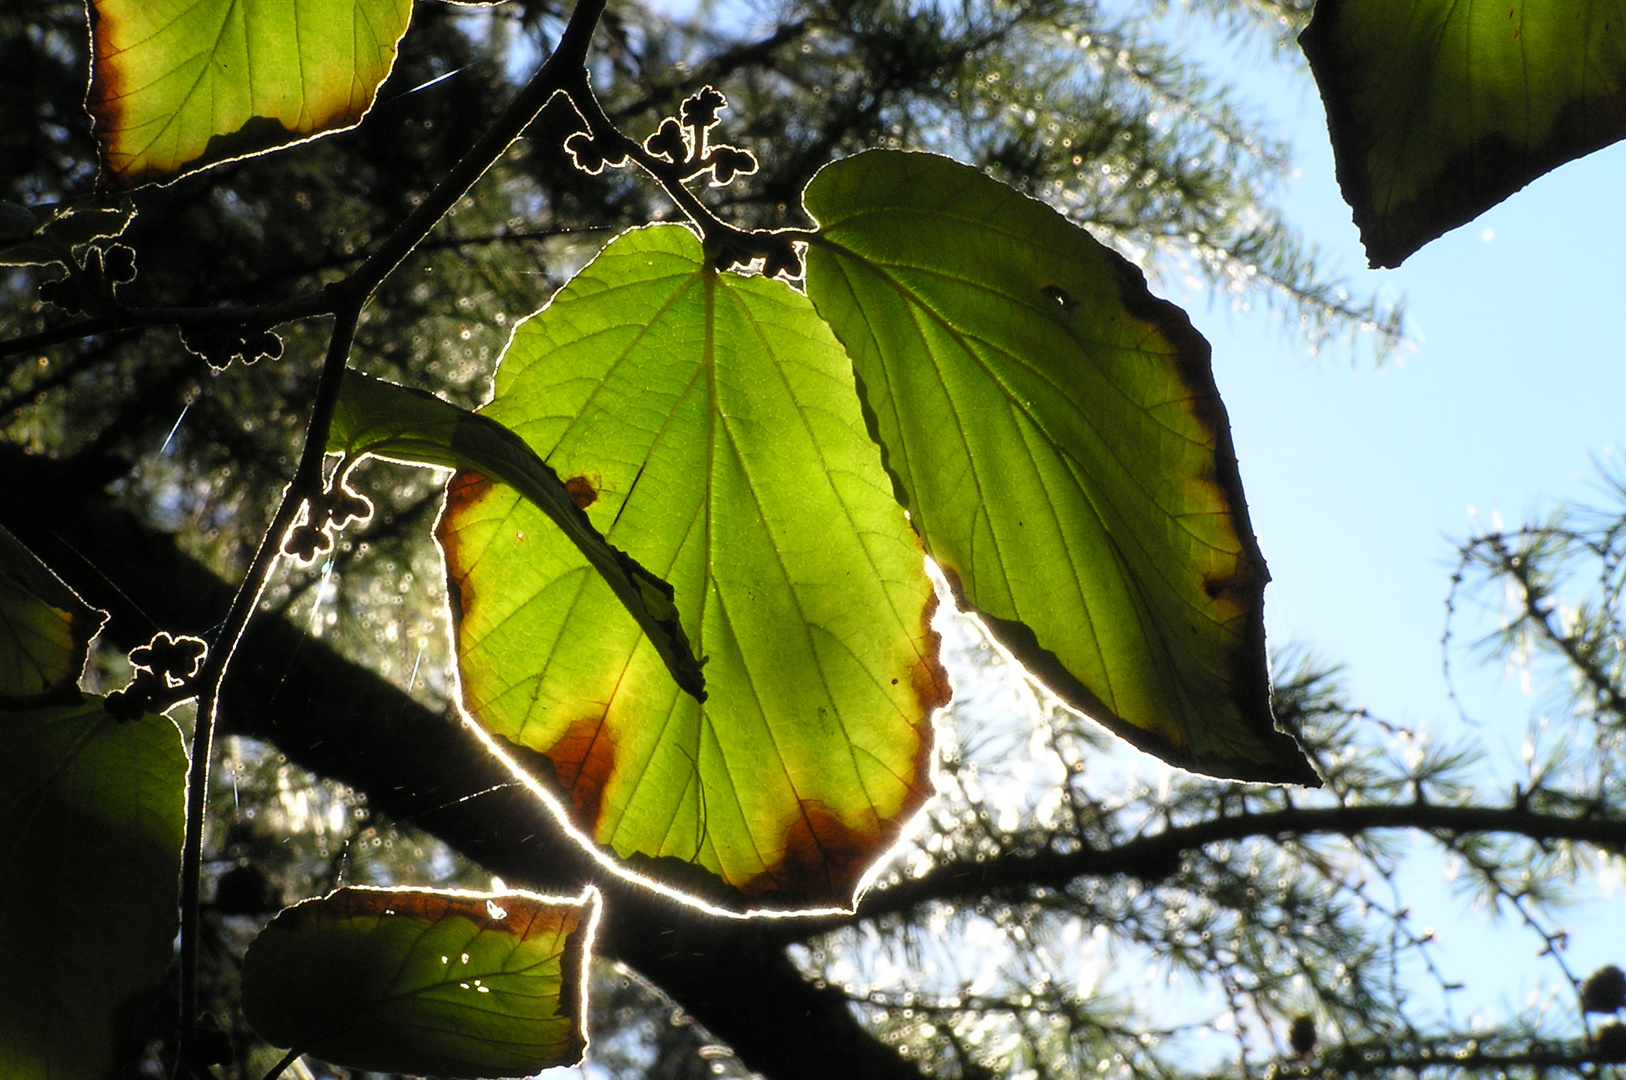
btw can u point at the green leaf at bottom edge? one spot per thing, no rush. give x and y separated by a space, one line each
449 984
91 818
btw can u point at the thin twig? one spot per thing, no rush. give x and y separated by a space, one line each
305 306
306 482
564 69
1057 870
287 1059
725 243
567 64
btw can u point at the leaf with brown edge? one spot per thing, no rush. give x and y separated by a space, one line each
177 85
714 419
451 984
45 631
413 427
1439 110
1055 432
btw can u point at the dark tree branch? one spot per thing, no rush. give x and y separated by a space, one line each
306 484
1052 870
56 335
271 314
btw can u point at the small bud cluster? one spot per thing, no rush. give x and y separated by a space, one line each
683 151
687 143
162 666
329 512
591 155
684 143
669 142
92 283
221 343
777 252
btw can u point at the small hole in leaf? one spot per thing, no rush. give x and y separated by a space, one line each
1060 296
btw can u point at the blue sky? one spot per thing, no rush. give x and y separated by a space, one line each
1361 478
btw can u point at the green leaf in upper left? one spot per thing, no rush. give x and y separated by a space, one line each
177 85
45 631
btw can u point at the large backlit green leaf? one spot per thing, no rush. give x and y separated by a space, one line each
187 83
413 427
712 420
439 983
91 816
1056 435
45 631
1440 109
